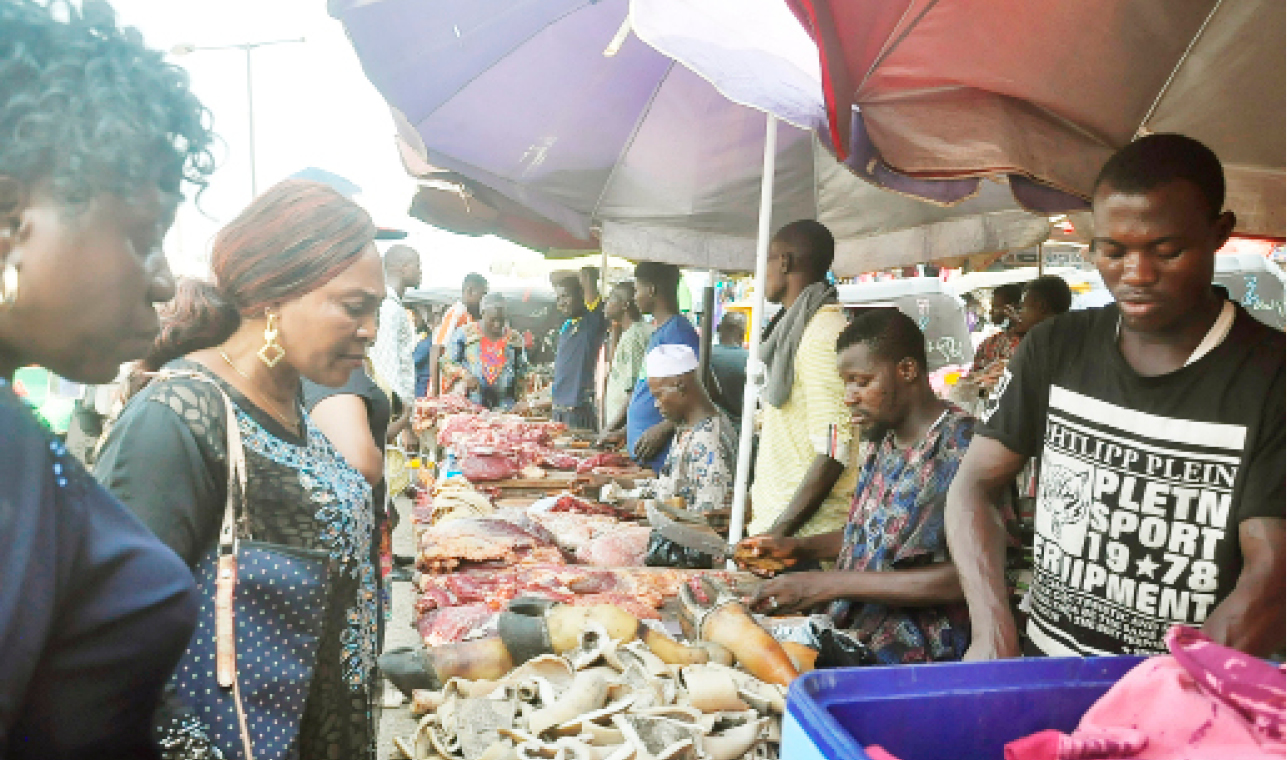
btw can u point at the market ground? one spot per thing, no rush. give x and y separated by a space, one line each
399 633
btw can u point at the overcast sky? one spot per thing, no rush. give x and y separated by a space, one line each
313 107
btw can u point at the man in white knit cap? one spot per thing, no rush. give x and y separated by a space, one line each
699 466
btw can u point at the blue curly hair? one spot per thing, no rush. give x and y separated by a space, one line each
88 109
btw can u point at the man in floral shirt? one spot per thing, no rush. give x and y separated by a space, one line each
699 466
894 588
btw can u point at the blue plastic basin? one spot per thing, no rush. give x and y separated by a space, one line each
952 711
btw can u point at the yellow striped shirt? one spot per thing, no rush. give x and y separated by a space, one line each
792 435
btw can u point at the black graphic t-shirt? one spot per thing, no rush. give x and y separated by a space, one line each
1144 480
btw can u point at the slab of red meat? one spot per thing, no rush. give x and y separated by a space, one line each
445 546
495 588
522 519
429 410
623 547
559 460
569 503
604 459
573 531
482 468
422 512
500 430
444 626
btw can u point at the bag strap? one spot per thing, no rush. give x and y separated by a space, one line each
226 573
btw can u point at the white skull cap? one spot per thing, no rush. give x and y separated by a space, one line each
670 360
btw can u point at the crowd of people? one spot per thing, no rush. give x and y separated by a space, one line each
1143 441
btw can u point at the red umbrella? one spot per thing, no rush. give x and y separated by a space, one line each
926 96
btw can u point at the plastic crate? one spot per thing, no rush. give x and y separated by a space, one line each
951 711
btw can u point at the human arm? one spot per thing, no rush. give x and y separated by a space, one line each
976 539
791 551
173 480
342 418
399 425
616 430
652 440
913 587
1251 618
814 488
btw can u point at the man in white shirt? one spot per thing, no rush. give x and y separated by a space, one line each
395 341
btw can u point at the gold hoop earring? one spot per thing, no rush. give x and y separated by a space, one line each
272 352
9 282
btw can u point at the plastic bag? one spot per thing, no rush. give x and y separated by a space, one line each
662 552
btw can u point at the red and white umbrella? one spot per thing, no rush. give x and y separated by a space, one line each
927 96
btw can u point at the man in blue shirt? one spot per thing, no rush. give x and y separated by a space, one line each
647 433
577 357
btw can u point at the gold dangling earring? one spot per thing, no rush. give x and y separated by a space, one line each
272 352
9 282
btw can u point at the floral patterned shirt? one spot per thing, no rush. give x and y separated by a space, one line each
896 523
700 464
1002 345
499 365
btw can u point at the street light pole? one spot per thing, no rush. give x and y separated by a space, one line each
249 48
250 115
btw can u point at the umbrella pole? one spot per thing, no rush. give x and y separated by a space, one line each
606 349
708 328
754 370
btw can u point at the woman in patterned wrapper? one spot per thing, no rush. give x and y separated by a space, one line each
490 356
297 285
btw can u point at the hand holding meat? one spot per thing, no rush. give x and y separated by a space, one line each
766 555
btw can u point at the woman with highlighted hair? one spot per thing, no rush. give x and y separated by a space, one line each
296 288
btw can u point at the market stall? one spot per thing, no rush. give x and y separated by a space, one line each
509 516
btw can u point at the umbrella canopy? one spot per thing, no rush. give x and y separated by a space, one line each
555 107
925 96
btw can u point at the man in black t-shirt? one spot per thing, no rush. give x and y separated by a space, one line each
1159 421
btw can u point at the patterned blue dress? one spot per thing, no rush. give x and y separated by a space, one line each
165 458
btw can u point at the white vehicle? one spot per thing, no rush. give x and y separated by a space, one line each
933 304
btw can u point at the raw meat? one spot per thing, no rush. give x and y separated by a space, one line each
522 519
526 443
558 460
496 430
480 468
605 459
443 626
573 531
454 604
445 546
569 503
623 547
430 410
